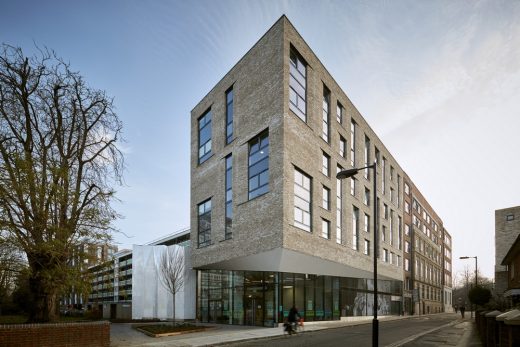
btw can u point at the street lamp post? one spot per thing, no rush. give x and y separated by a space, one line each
476 281
346 174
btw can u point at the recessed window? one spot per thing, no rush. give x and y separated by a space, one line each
355 228
325 168
297 85
204 223
383 234
326 198
259 165
367 157
342 146
339 238
366 249
406 207
302 200
510 217
325 229
326 115
366 197
229 197
205 136
339 113
366 226
229 115
353 143
353 186
406 189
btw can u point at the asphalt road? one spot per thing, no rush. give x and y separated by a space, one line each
390 332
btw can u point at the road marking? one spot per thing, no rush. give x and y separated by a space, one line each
416 336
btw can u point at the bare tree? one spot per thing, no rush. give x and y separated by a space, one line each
172 271
59 162
11 264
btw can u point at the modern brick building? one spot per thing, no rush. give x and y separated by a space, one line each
271 226
427 282
507 229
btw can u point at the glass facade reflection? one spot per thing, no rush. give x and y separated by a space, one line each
265 298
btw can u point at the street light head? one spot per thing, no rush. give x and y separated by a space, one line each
464 258
347 173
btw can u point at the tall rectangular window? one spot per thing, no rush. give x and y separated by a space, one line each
205 136
355 228
385 255
204 223
406 188
229 115
398 191
367 157
353 143
302 200
339 113
391 173
392 195
366 197
325 229
367 223
383 179
229 197
339 215
326 198
383 234
259 165
297 85
326 115
342 146
366 250
391 227
399 232
352 186
325 168
378 155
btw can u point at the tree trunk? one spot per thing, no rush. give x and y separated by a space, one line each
43 288
174 309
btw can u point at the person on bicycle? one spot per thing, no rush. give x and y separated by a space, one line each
293 319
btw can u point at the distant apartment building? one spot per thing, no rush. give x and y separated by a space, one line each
507 229
129 285
271 226
85 256
427 284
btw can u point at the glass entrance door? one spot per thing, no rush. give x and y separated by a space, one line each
254 306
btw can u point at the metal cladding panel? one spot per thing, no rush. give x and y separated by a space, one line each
150 298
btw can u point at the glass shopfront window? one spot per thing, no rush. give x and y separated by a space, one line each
265 298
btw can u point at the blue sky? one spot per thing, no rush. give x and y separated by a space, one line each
438 81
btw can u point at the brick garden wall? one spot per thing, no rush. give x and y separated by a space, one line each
89 334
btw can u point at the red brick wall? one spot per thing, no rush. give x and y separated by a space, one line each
88 334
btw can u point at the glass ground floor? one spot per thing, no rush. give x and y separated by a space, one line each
265 298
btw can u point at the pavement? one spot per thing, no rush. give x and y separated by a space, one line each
458 332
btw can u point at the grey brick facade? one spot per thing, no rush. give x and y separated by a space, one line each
507 229
263 227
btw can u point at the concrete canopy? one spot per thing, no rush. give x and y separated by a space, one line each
286 260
